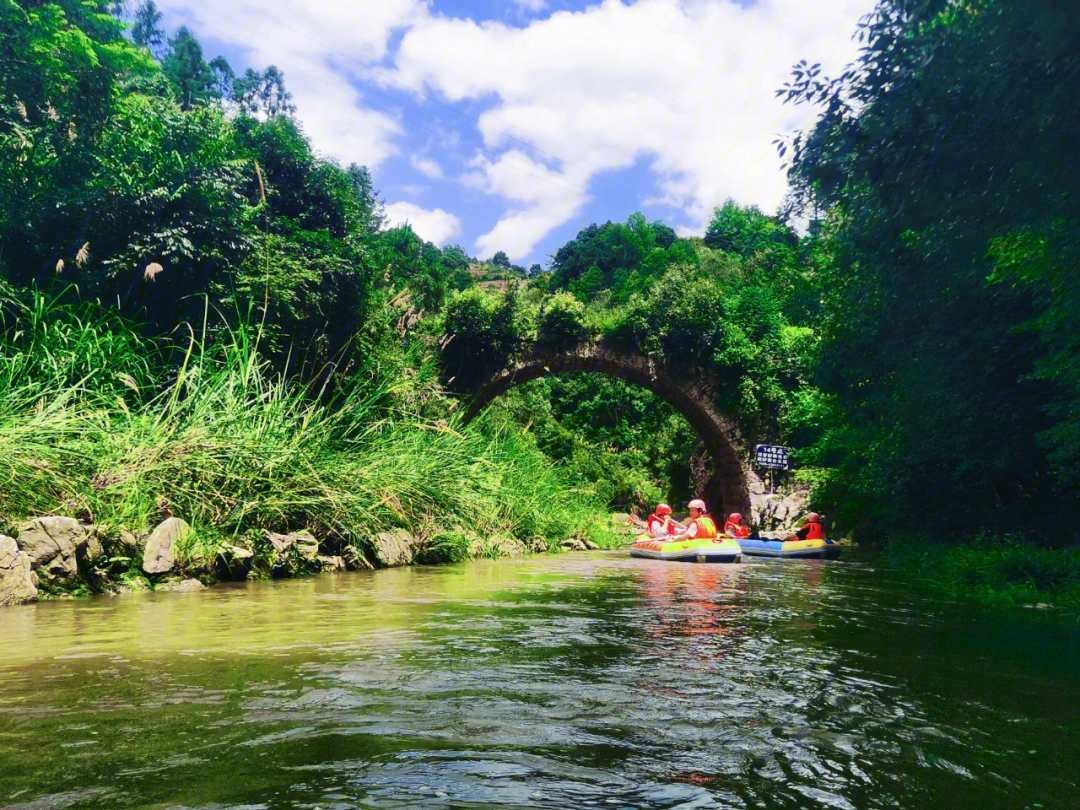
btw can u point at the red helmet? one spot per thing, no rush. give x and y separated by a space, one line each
735 517
813 517
663 509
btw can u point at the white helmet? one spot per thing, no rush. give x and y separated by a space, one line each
698 504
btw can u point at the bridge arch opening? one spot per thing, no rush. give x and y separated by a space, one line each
726 489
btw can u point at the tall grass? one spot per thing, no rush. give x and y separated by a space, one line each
98 423
1003 570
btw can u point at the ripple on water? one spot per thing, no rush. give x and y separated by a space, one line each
576 681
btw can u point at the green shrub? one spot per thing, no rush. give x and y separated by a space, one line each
563 321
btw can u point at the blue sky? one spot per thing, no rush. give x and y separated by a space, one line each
511 125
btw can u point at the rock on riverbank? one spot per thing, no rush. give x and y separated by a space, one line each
55 556
17 583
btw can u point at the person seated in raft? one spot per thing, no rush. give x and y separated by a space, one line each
811 530
700 526
660 522
734 526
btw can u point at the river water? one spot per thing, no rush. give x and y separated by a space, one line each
579 680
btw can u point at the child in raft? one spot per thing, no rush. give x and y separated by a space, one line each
735 527
811 530
700 525
660 523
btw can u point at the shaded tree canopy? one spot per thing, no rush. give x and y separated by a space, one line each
942 159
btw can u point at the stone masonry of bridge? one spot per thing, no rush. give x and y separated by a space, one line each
692 393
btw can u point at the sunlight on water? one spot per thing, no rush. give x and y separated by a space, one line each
551 682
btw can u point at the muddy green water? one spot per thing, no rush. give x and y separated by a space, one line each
583 680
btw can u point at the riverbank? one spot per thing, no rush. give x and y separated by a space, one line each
58 557
196 449
1001 570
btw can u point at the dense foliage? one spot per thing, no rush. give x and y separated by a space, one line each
156 185
742 311
943 161
94 424
914 338
201 316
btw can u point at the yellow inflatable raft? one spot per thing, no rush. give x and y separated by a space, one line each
720 550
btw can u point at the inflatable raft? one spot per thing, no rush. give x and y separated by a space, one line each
788 549
720 550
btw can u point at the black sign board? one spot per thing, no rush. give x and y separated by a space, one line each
772 456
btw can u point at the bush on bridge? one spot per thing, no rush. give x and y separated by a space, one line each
563 322
482 330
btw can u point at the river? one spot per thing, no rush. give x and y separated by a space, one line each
578 680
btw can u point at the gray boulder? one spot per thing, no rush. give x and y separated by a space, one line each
134 585
91 552
497 545
354 560
303 541
160 554
131 542
333 564
237 554
93 549
17 584
307 545
394 548
282 542
181 586
51 543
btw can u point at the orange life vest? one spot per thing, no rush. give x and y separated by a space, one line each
733 529
814 531
665 523
706 529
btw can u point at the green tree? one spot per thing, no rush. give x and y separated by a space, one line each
189 73
146 29
224 78
953 131
482 330
746 231
263 94
563 321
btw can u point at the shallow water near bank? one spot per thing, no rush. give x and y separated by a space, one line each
579 680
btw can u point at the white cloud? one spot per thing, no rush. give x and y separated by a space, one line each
320 47
686 84
542 199
428 167
434 226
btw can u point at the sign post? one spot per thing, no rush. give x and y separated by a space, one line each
772 457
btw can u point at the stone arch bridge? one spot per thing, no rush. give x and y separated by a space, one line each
692 393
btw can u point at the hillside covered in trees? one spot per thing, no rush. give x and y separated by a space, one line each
199 310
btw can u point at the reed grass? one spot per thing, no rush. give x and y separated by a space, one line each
101 424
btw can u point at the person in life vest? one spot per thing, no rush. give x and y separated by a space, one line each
811 530
700 526
660 522
734 526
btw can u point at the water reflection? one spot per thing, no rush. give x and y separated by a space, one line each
573 681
